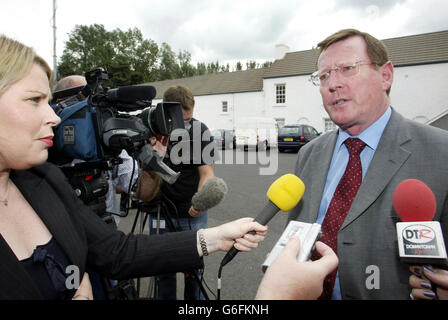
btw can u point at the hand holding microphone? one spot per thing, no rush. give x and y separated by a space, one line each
225 236
423 279
283 194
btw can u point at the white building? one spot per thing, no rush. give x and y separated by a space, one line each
284 92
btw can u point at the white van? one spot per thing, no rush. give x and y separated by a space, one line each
256 132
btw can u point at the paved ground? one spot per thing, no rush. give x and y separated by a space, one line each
246 198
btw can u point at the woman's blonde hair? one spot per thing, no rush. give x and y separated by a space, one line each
16 60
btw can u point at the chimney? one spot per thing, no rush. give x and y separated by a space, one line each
280 51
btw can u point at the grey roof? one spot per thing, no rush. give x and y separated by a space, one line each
293 64
217 83
418 49
404 51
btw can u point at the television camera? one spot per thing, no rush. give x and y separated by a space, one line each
96 126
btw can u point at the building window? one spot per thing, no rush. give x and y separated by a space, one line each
329 125
225 107
280 93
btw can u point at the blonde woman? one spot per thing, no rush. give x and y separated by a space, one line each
47 235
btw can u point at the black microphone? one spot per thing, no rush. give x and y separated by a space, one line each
283 194
131 94
210 194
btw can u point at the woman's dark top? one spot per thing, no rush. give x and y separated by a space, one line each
47 267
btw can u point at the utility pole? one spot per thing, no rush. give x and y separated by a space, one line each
55 59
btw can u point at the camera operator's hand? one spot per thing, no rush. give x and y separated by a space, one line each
235 233
159 144
194 213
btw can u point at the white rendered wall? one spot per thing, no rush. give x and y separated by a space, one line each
418 92
208 108
303 102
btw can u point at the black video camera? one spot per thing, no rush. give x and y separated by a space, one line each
96 125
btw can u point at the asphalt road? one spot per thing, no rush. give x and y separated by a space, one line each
246 197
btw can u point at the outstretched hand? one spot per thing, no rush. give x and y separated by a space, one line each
235 233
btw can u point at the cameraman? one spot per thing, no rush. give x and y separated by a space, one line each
120 177
193 174
68 82
48 236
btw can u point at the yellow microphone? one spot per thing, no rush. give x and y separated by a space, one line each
283 194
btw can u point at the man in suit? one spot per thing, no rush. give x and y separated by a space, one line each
355 77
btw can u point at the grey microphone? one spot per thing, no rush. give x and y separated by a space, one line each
210 194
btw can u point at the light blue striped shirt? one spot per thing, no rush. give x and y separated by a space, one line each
371 136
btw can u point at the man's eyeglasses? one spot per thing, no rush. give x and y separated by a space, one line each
345 70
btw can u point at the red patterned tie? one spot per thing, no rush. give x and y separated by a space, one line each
340 205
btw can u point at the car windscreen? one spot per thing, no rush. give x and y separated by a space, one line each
289 131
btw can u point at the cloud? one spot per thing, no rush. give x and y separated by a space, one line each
223 30
382 5
424 16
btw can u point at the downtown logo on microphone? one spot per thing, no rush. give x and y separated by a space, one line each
421 240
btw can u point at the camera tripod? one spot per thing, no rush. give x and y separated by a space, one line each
158 207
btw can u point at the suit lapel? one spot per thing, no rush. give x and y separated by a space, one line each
388 159
319 172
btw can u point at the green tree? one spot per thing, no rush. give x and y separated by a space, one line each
131 59
87 48
213 67
251 65
139 54
266 64
225 68
168 67
239 66
201 68
127 57
185 67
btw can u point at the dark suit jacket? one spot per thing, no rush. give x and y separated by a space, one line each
368 235
87 240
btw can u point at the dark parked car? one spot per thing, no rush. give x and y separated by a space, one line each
224 138
295 136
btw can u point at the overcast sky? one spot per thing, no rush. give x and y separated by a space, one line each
223 30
